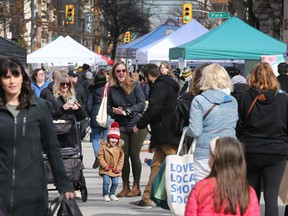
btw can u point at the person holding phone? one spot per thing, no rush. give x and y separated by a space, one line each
64 106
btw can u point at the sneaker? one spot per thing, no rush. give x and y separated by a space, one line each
77 194
113 198
106 198
141 204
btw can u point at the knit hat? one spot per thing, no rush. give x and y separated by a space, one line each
114 131
238 79
186 72
283 68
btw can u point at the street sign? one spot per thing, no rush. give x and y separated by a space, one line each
222 15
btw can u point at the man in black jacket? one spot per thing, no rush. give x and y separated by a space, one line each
159 115
283 76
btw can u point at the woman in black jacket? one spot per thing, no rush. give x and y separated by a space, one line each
93 105
26 130
264 132
64 106
126 103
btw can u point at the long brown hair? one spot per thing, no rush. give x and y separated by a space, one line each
263 78
229 169
127 85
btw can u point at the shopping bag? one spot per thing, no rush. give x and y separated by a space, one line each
283 190
158 190
61 206
102 116
179 177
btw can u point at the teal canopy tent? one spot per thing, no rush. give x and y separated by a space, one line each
232 40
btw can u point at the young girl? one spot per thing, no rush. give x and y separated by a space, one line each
111 160
225 191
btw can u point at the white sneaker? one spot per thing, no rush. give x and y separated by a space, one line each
106 198
113 198
77 194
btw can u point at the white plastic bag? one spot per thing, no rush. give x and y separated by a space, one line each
102 116
180 177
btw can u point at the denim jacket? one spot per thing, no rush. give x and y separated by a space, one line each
221 121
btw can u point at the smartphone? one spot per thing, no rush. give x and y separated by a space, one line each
71 100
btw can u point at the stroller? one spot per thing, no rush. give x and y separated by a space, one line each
73 161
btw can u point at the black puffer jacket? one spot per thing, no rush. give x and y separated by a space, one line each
94 102
161 112
135 102
23 185
73 138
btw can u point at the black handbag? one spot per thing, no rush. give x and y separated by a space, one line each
62 126
65 207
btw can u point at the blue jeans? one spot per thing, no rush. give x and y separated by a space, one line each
97 134
106 184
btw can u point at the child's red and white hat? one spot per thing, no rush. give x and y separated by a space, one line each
114 131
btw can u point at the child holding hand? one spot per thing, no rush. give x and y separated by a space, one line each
226 190
111 160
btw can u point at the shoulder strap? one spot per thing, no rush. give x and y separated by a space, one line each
251 107
207 113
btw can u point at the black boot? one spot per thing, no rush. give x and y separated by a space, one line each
95 164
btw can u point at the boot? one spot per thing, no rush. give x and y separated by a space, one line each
125 190
135 190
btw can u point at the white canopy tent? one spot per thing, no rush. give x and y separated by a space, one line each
98 59
62 52
159 50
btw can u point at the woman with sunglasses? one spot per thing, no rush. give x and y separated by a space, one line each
126 103
26 130
64 106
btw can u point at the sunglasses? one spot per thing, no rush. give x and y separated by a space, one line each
65 83
119 71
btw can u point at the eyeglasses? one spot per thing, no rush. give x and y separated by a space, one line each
119 71
40 74
65 83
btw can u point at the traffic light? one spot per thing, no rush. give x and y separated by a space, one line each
70 14
187 13
127 37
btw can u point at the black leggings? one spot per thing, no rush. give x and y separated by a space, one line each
267 169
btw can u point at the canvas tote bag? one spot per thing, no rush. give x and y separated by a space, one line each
180 177
102 116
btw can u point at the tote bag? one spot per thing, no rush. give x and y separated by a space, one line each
102 116
158 190
180 177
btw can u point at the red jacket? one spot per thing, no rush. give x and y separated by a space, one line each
195 208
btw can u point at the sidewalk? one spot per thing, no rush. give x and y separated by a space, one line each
95 204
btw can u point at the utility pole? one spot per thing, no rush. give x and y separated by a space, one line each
32 25
7 22
285 22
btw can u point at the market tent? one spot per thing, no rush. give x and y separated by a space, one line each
10 49
98 58
109 61
60 52
159 50
129 50
233 39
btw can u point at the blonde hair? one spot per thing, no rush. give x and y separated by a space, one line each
135 76
215 76
63 77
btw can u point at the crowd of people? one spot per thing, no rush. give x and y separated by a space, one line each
240 124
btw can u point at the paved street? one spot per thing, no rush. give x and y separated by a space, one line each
96 206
